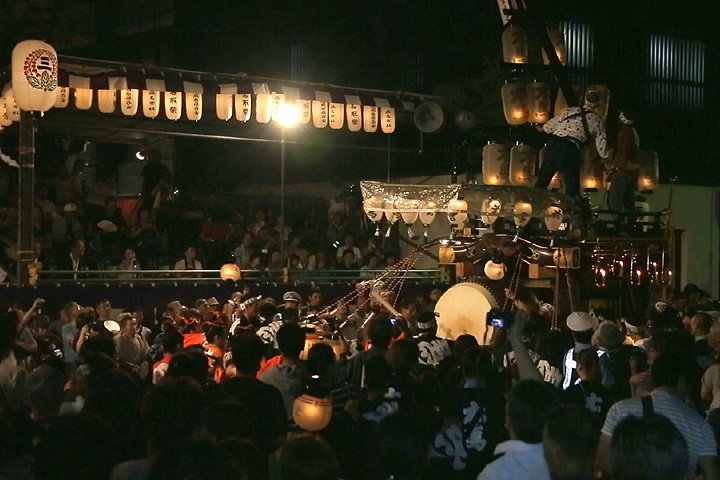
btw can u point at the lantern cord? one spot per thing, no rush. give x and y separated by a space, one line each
514 283
556 299
567 278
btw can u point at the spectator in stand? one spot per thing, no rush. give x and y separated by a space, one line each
74 261
348 246
348 261
128 262
144 235
648 448
288 376
569 442
285 231
372 262
66 227
337 230
189 260
152 173
96 199
244 252
112 213
390 260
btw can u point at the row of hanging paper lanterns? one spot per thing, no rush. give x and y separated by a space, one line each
502 165
523 103
267 106
522 213
516 48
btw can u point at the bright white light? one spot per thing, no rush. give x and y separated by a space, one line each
287 115
140 155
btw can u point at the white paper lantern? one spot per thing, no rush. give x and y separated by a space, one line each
491 209
336 115
311 413
522 165
409 217
63 97
387 120
495 164
173 105
554 218
243 107
194 106
151 103
278 100
494 270
224 106
4 117
129 101
304 110
372 207
263 107
370 118
354 117
230 271
458 212
106 100
34 75
12 109
522 213
319 114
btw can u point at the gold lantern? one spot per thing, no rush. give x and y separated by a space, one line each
83 98
278 100
649 173
230 271
224 105
311 413
151 103
538 95
173 105
263 107
515 44
446 255
129 101
336 115
495 164
107 100
567 257
514 99
494 270
63 97
409 217
370 118
373 207
522 165
457 214
243 107
557 38
34 75
354 117
194 106
554 218
592 170
304 111
491 208
561 102
387 119
522 213
319 114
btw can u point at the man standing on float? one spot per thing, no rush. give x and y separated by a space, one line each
569 132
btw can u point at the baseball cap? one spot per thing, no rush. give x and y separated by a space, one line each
581 321
70 207
292 297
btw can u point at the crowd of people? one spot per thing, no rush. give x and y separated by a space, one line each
211 390
81 227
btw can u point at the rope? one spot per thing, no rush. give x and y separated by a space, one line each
514 283
556 299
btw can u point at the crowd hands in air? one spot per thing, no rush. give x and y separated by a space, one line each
208 391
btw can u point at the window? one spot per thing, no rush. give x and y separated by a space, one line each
676 71
580 43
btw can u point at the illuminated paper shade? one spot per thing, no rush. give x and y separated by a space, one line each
243 107
494 271
304 111
230 271
446 255
224 106
354 117
311 413
336 115
83 98
592 170
173 105
278 100
409 217
11 107
515 45
34 75
426 218
522 165
554 218
522 213
514 98
387 119
372 207
129 99
495 164
649 173
491 208
558 40
319 114
151 103
194 106
538 95
263 107
370 118
63 97
107 100
458 212
4 117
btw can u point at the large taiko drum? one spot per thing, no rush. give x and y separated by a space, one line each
463 310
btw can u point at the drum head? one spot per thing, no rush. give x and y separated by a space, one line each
463 310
